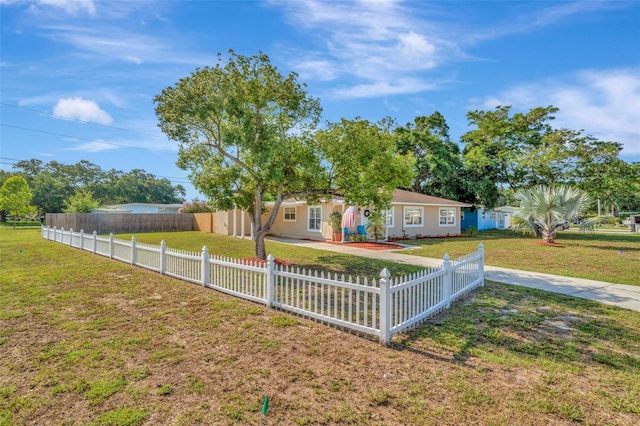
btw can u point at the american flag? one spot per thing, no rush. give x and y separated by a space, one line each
349 217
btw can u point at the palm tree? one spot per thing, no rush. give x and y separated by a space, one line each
376 225
547 209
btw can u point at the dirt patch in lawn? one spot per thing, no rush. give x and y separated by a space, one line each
554 244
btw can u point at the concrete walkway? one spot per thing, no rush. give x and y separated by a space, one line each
626 296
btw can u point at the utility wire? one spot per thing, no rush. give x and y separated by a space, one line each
78 120
80 138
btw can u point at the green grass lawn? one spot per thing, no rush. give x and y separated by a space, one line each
299 256
598 256
90 341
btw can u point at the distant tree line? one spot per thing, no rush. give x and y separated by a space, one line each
57 187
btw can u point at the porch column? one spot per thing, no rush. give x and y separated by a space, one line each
235 215
342 227
386 226
242 225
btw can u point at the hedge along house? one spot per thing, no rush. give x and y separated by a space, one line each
411 215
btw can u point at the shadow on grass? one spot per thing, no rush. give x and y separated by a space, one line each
521 326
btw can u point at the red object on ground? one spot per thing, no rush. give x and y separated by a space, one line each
376 246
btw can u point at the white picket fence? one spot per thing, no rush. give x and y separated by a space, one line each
379 307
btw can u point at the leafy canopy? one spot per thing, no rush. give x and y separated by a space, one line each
81 202
15 197
515 151
246 134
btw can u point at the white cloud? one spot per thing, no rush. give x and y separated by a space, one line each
526 20
72 7
133 59
605 104
381 88
82 109
94 146
381 43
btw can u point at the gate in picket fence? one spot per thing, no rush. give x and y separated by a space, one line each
379 307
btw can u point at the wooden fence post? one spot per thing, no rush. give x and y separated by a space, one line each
95 242
163 257
270 280
205 266
82 239
70 237
481 266
385 307
111 245
446 264
133 249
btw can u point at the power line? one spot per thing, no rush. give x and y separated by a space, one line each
78 120
79 138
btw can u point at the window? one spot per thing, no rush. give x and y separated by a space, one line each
289 214
484 214
389 217
315 218
492 215
447 217
462 215
413 216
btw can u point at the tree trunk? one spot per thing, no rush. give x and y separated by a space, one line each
548 236
260 248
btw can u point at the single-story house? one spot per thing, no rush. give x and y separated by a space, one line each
411 215
139 208
483 219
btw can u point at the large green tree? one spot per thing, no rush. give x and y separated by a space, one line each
493 151
520 150
438 159
15 197
246 134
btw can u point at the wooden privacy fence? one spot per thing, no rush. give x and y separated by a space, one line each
379 307
104 223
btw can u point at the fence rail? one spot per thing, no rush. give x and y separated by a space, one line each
379 307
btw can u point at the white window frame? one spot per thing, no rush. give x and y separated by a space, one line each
284 214
318 218
389 217
406 209
447 217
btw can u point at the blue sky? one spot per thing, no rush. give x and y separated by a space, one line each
78 77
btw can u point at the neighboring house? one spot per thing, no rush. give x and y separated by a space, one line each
411 215
139 208
483 219
478 217
504 215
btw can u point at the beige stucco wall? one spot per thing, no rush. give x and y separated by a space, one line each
430 226
299 228
224 223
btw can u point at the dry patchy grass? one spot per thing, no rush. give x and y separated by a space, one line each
89 341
